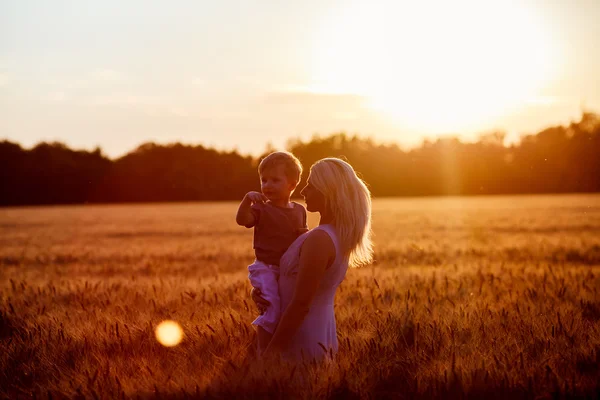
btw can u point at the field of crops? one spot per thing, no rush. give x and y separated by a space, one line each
489 297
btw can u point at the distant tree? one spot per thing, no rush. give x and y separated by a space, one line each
50 173
558 159
178 173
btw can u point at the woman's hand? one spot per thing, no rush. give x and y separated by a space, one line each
261 303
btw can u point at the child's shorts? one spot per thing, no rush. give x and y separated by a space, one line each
265 277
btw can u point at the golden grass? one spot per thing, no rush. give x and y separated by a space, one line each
480 297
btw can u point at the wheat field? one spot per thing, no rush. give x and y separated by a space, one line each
475 297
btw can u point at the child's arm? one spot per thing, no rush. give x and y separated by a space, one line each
244 216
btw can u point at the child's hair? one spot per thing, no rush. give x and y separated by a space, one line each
291 165
349 200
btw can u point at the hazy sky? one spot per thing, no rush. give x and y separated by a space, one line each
239 74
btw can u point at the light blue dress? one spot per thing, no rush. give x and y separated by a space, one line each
318 328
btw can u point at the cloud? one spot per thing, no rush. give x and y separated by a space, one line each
344 116
314 90
4 79
330 111
311 98
124 99
150 105
57 97
546 101
564 102
96 79
198 81
109 75
178 111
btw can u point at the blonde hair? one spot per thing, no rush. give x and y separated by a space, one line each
349 200
291 165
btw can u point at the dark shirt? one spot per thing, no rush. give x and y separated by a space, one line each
275 229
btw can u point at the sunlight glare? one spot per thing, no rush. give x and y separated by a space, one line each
169 333
435 65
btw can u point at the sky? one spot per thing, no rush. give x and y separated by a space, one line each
235 74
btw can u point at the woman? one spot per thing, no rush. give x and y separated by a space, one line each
315 264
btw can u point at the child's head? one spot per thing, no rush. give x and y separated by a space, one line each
279 174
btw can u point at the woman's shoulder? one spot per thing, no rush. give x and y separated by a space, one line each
329 230
317 248
320 239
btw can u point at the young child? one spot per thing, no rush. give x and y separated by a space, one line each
277 222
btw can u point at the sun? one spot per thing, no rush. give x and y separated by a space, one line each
435 65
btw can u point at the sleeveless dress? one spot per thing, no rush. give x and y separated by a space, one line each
318 329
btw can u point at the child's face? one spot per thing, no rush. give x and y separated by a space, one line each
274 183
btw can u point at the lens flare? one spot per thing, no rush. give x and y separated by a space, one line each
169 333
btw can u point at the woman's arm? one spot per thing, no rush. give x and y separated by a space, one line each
317 253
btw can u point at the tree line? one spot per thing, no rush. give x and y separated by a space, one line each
559 159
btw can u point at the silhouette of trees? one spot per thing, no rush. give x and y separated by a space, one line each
558 159
177 173
49 173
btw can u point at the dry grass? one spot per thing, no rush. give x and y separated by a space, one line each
481 297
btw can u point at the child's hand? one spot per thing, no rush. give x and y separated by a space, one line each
261 303
256 197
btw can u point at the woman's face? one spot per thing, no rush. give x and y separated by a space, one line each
315 200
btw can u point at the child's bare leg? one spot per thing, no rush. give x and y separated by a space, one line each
264 338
